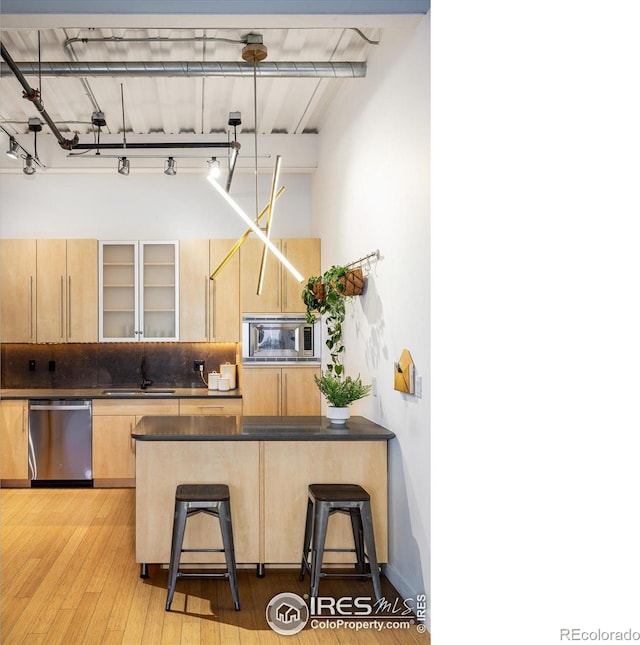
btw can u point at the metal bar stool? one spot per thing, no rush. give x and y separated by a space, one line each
212 499
325 499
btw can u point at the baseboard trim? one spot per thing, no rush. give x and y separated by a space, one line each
15 483
115 483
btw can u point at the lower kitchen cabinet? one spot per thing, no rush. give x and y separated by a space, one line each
280 391
268 483
198 407
114 459
14 469
361 462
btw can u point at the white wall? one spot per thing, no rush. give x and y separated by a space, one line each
371 191
142 206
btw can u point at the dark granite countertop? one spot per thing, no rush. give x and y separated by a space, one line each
247 428
120 392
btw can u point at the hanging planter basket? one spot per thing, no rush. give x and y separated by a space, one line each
352 282
318 291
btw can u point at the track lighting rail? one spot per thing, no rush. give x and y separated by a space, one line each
157 145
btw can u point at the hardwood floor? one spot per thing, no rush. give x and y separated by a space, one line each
69 576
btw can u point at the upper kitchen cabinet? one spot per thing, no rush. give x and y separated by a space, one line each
281 292
67 291
49 291
18 291
138 292
209 309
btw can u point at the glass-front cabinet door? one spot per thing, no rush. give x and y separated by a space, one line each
138 291
159 291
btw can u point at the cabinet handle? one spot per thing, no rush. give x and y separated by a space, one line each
206 307
283 279
285 403
69 307
61 306
279 394
31 306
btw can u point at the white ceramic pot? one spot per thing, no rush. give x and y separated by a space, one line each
338 416
223 384
213 380
228 370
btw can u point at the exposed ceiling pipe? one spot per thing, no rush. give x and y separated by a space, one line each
151 39
174 39
34 96
191 68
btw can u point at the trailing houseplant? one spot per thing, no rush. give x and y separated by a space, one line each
326 295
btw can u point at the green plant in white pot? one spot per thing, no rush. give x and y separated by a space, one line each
340 392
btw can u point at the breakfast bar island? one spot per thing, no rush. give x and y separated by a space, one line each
268 463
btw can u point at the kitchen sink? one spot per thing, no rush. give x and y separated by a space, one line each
136 392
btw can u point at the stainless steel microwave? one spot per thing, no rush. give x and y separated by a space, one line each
280 338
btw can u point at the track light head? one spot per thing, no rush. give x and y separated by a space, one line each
214 168
123 166
170 167
29 165
14 149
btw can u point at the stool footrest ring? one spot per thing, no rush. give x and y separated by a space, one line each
182 574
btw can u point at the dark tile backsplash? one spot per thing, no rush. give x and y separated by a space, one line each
109 364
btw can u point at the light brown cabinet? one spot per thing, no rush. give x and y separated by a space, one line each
268 481
281 292
14 443
212 406
280 391
18 291
49 291
209 309
67 291
361 462
114 459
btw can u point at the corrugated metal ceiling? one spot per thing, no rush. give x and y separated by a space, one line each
173 104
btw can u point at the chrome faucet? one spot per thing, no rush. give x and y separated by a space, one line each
143 372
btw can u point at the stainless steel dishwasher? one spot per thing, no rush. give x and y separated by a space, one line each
60 442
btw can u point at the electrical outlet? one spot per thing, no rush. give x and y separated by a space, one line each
198 366
418 391
374 386
32 365
52 366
